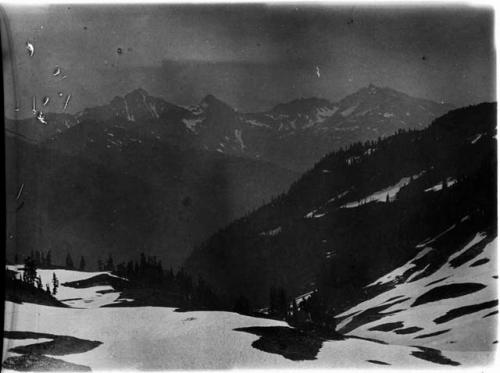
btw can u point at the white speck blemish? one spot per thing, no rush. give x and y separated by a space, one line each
30 48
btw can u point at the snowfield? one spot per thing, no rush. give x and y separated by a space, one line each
153 338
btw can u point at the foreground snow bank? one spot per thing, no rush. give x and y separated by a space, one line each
153 338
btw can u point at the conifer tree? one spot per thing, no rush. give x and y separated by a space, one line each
29 271
55 283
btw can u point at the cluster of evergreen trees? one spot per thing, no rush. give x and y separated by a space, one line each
38 257
70 265
148 273
312 311
31 277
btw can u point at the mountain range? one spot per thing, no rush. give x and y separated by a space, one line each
291 135
141 174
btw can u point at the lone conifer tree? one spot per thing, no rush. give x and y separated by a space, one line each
55 284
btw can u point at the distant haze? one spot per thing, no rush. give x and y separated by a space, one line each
251 56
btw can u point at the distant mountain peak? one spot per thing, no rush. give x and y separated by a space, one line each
137 92
210 100
213 103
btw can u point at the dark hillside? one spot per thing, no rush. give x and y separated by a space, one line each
327 232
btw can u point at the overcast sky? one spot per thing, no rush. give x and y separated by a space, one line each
251 56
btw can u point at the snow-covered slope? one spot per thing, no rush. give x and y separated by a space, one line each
157 338
88 297
449 304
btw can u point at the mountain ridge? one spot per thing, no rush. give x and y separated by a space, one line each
292 135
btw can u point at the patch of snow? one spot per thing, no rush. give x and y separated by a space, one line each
272 232
154 111
192 123
398 272
338 196
313 215
381 195
196 110
304 296
477 238
363 112
352 159
325 112
436 188
256 123
431 240
349 110
149 107
238 134
129 116
369 151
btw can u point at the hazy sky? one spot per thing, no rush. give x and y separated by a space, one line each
251 56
